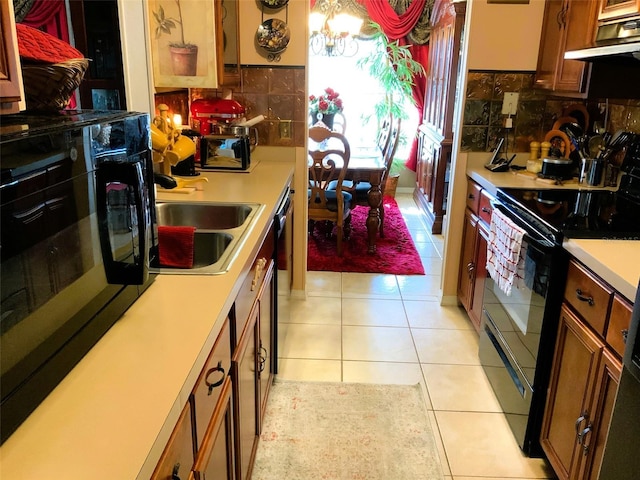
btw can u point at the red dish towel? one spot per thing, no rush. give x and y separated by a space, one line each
175 246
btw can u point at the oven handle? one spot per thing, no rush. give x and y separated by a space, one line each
531 235
284 209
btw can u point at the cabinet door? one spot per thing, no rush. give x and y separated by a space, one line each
604 398
480 275
467 259
265 370
215 458
177 459
553 31
10 74
610 9
567 412
245 380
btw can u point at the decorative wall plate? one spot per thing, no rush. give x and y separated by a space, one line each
274 3
273 35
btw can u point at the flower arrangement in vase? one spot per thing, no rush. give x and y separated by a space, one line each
325 106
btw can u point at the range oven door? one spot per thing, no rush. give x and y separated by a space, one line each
517 337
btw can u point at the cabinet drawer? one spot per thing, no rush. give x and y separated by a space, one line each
251 286
209 385
473 196
588 296
619 322
485 208
177 458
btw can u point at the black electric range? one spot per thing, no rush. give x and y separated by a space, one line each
583 213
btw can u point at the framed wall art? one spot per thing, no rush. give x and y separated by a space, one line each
183 48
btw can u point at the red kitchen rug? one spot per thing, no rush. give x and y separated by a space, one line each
396 253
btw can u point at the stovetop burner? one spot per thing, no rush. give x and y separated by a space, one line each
579 213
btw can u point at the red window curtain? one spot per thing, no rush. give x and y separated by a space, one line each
397 27
50 16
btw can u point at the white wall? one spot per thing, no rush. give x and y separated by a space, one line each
504 36
135 58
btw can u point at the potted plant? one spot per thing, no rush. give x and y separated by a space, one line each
184 56
394 67
325 106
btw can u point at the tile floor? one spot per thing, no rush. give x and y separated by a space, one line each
391 329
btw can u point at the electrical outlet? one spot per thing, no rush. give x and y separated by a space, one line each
510 103
285 128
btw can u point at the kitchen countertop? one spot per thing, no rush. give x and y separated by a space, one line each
616 261
112 415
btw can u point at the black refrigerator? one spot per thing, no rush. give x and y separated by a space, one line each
621 459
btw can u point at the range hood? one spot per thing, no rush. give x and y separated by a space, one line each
617 42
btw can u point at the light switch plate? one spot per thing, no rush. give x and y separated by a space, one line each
510 103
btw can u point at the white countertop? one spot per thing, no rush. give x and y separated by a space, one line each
616 261
113 413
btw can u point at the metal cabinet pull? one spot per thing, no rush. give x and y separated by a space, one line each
471 196
260 264
219 382
486 209
583 416
625 334
584 298
174 473
582 438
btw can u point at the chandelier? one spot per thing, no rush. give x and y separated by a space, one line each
333 33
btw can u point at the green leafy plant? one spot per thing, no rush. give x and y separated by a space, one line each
166 24
395 69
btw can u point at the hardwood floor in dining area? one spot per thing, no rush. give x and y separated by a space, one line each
374 328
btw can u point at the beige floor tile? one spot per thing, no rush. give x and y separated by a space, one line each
419 235
444 461
449 347
482 445
320 310
324 284
382 372
298 340
378 344
427 249
373 312
417 287
310 370
460 387
432 265
426 314
369 285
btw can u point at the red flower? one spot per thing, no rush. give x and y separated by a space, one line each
328 102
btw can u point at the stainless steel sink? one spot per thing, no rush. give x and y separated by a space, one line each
221 229
205 216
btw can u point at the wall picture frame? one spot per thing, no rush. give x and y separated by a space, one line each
183 43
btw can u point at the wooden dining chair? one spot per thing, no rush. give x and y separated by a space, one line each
340 123
360 190
328 157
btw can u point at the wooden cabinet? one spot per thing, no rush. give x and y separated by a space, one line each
473 259
617 9
12 96
177 458
221 422
435 137
585 374
567 25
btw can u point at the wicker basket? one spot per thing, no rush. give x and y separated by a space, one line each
49 86
391 185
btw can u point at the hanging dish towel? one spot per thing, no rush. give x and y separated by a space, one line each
505 253
175 246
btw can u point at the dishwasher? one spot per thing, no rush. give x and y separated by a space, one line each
283 258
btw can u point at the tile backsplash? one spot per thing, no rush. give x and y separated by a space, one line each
483 121
278 93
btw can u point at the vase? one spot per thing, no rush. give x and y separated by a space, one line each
326 118
184 60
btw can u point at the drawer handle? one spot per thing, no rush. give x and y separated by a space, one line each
625 334
582 439
579 421
486 209
584 298
471 196
219 382
260 264
174 473
262 358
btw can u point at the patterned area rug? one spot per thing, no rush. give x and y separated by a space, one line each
396 253
349 431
